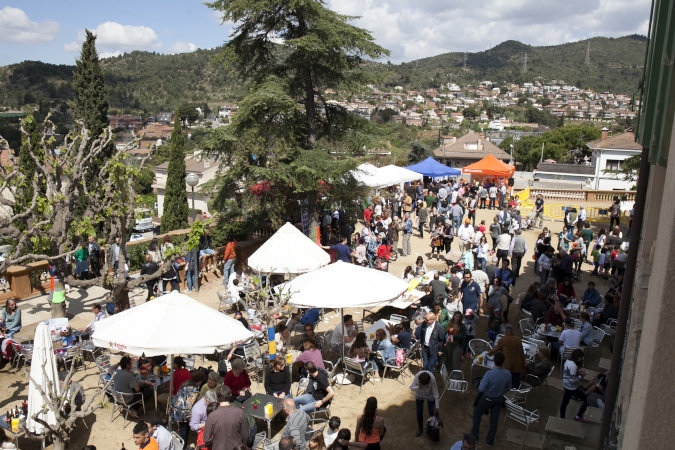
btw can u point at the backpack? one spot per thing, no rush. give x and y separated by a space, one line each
614 211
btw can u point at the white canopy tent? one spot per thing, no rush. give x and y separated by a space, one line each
288 251
343 285
369 175
43 355
398 175
171 324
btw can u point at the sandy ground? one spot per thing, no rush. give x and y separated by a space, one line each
396 402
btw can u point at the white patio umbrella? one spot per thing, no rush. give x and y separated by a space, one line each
171 324
43 355
343 285
288 251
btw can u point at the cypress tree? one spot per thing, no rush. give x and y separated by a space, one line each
91 107
176 209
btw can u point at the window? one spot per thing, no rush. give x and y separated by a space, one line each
612 164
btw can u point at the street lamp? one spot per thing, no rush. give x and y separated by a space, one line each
511 161
192 180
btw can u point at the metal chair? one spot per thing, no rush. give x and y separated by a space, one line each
577 324
537 382
315 425
22 351
519 303
331 369
499 336
355 367
454 382
253 359
105 362
538 342
397 318
123 406
530 349
597 336
91 349
565 355
519 396
72 355
478 346
225 301
527 327
391 366
610 327
524 417
177 441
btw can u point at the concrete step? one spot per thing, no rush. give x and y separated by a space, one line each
593 415
604 364
532 440
565 428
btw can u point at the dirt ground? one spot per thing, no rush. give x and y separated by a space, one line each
395 400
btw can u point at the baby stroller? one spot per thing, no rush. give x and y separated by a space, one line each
529 222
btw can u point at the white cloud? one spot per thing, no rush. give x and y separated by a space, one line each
113 39
17 28
412 30
182 47
110 54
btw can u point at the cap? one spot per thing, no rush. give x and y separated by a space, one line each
467 221
65 328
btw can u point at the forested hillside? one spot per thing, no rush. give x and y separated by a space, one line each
155 82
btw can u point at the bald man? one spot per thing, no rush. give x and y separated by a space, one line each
296 425
432 337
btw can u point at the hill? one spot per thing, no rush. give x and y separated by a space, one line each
162 82
615 65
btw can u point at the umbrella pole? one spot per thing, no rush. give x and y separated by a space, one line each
342 324
168 404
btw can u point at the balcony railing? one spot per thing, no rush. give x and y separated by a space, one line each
577 169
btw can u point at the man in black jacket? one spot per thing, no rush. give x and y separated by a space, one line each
432 337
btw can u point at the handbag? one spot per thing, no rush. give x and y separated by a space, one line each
434 423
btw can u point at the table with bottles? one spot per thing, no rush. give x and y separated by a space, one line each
14 421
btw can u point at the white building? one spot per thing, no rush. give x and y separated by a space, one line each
205 169
608 155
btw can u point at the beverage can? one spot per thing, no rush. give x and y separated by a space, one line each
289 358
155 371
268 410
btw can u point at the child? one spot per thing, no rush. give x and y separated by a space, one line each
332 431
596 260
603 263
67 337
470 319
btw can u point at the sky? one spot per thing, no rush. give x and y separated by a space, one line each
52 31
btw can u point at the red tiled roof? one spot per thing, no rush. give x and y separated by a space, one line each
624 141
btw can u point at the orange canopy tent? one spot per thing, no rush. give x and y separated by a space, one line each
490 166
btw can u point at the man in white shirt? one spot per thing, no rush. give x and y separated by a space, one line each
347 329
569 337
99 314
466 235
480 277
161 434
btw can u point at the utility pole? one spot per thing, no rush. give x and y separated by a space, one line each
542 153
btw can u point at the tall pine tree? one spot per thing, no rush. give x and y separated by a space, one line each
91 107
176 209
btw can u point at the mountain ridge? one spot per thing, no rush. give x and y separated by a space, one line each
156 82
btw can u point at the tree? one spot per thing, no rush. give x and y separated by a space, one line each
50 219
320 51
419 153
29 182
176 209
90 106
470 113
187 112
277 145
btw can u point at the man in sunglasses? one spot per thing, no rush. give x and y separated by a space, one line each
472 297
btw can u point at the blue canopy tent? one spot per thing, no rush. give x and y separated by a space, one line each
432 168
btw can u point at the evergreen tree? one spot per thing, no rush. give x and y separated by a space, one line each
90 104
91 107
176 209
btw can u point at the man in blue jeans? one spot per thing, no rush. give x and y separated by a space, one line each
492 387
206 249
432 336
318 394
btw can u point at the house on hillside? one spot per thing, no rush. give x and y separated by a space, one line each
156 130
205 169
468 149
601 173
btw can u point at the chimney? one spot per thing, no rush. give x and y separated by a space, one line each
604 131
454 139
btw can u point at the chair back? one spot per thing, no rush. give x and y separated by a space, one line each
519 395
315 425
530 349
397 318
538 342
520 414
499 336
457 385
251 350
526 326
478 346
568 352
177 441
597 334
352 365
577 324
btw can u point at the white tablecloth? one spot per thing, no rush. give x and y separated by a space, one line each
370 331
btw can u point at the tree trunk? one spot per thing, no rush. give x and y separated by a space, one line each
120 296
59 444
